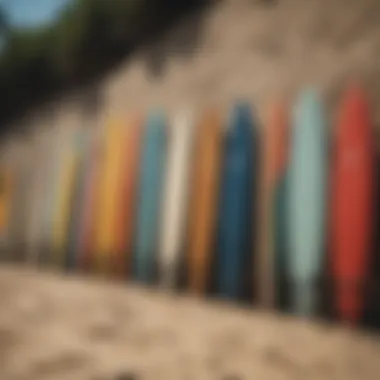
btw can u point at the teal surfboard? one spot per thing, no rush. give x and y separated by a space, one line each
307 201
150 189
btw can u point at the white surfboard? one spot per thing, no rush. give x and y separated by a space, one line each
175 197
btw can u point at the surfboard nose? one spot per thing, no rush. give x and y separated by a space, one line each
308 95
308 102
241 120
155 123
350 304
354 113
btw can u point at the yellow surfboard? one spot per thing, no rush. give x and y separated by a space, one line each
108 182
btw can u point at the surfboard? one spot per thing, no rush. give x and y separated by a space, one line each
77 199
371 309
269 264
108 202
174 213
64 200
203 200
126 197
151 180
19 201
280 227
51 188
38 166
307 200
6 189
88 225
50 193
352 204
236 206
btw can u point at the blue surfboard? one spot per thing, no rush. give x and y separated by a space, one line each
150 190
307 190
237 196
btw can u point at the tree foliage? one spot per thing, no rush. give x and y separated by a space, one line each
87 36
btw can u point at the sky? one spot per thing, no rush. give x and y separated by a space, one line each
31 13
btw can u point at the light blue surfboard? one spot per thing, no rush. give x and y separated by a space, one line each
307 200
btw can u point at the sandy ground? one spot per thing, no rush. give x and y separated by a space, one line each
65 328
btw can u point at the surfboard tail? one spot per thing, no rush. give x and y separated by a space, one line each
229 284
167 282
144 272
168 276
143 260
349 304
304 299
139 265
198 280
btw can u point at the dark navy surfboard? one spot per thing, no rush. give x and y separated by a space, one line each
237 195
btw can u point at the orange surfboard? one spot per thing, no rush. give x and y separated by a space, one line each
108 202
5 204
273 162
126 197
19 203
203 200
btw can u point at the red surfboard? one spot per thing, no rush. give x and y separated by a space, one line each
352 204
